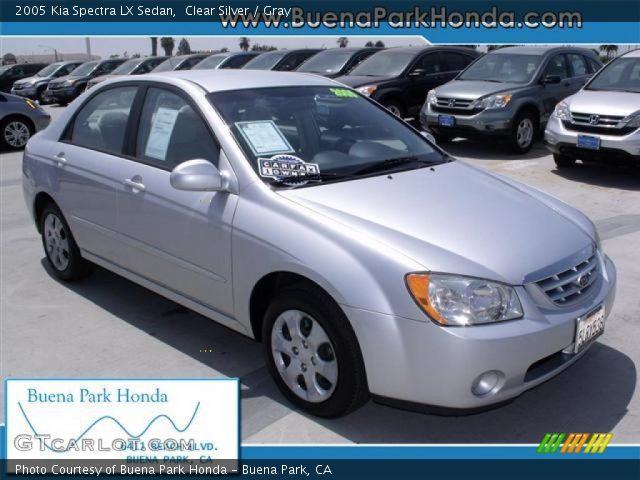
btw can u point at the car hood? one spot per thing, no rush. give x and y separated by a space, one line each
472 89
605 102
452 218
26 81
359 81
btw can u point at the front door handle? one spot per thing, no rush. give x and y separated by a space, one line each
61 159
135 184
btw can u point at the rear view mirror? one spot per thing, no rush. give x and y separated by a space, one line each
197 176
551 79
429 136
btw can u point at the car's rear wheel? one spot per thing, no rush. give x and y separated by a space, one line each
15 132
523 132
60 247
563 161
313 354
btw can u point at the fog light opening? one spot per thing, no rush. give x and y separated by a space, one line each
489 383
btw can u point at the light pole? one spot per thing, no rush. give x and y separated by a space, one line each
55 52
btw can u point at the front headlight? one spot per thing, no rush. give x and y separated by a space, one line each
367 90
453 300
632 120
493 101
432 99
562 112
69 83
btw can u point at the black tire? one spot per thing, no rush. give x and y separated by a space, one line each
516 142
9 128
41 97
395 106
442 136
350 391
563 161
76 267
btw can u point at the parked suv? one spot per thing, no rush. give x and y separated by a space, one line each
34 87
221 60
399 78
9 74
181 62
510 93
335 62
602 121
135 66
281 60
65 89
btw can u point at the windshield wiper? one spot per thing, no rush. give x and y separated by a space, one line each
389 164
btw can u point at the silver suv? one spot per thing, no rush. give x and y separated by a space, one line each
508 93
602 121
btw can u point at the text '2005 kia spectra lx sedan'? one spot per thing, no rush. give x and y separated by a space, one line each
297 212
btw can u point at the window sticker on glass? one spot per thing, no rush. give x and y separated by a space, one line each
344 93
287 167
264 137
158 142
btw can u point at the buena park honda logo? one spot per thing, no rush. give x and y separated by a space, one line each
154 424
574 443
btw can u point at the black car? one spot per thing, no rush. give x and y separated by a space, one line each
399 78
281 60
181 62
65 89
135 66
231 60
34 87
335 62
11 73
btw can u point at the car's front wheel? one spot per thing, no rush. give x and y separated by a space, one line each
60 247
313 354
15 132
523 132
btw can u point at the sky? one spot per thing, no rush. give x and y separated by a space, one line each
106 46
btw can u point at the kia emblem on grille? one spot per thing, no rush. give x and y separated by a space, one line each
452 102
594 119
583 281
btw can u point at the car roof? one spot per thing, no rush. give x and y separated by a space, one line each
224 80
535 50
350 49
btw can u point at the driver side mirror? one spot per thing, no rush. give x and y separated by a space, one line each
197 176
418 72
551 79
429 136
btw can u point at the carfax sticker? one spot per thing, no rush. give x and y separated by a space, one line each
286 167
264 137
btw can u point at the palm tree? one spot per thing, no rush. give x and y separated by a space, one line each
379 44
369 44
244 44
183 47
167 43
154 46
609 50
342 42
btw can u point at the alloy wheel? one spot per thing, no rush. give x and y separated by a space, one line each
16 134
524 134
57 242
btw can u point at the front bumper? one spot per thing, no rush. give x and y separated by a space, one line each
422 363
65 94
559 139
485 122
29 92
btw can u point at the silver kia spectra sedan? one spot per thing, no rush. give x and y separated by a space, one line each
300 213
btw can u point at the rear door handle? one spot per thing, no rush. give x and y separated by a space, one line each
60 159
135 184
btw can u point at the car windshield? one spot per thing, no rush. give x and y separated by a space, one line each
48 70
326 62
4 69
127 67
168 65
84 69
211 62
621 75
266 61
503 68
332 133
389 63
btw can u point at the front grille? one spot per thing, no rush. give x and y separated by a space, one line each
567 286
455 111
453 102
595 120
598 130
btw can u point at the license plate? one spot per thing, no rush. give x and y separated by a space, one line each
588 142
588 328
446 120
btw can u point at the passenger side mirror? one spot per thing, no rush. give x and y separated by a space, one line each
429 136
197 176
551 79
418 72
